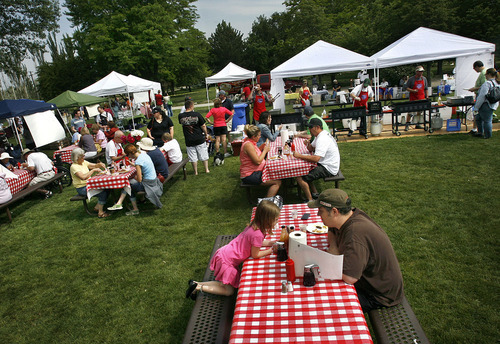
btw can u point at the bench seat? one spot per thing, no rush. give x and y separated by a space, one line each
212 315
29 190
397 324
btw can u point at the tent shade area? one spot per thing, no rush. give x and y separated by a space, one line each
19 107
39 116
69 99
320 58
232 72
424 44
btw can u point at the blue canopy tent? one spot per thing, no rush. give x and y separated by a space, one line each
10 108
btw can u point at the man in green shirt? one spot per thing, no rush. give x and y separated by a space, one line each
309 113
478 66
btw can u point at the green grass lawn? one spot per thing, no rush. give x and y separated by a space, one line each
68 278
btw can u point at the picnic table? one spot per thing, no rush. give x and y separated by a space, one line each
329 312
288 166
24 177
110 181
65 153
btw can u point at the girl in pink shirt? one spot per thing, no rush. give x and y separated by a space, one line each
247 244
220 123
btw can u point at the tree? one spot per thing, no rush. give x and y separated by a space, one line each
226 45
23 27
141 38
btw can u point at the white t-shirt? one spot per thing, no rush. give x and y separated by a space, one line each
111 150
384 84
173 150
40 162
326 147
357 90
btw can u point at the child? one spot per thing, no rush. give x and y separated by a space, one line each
220 124
172 148
247 244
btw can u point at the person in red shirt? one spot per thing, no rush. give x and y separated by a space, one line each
417 86
159 99
305 94
220 124
246 92
259 99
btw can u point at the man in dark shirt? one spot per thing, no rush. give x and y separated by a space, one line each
370 262
195 134
159 160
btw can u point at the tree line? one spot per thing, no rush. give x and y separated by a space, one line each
157 40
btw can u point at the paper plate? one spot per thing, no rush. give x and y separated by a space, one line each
317 228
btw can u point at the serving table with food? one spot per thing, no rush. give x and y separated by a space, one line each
327 312
281 166
107 180
24 177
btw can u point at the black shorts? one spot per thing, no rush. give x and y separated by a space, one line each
317 173
253 179
218 131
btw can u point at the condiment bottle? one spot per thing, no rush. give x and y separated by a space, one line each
281 255
293 147
284 236
290 270
309 279
286 149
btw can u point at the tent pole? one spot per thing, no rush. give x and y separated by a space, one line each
17 134
65 125
208 99
131 109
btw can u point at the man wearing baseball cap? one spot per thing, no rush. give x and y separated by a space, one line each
417 86
325 153
370 263
309 114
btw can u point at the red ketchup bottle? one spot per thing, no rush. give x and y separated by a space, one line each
290 270
293 146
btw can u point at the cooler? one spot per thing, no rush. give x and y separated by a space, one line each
239 115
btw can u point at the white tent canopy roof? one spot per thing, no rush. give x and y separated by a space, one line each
425 44
321 58
231 72
116 83
151 85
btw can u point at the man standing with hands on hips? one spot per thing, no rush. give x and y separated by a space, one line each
417 86
370 263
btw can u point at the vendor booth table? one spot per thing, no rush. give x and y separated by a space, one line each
328 312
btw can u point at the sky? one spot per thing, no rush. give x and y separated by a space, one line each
241 14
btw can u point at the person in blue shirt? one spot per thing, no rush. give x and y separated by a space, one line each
159 160
145 180
265 130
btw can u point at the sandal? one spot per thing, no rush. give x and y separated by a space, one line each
103 215
190 290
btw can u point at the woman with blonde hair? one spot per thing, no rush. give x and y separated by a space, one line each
87 143
253 161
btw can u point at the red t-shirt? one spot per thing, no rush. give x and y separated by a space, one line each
159 99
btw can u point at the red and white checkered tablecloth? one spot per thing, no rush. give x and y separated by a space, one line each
65 153
23 179
289 167
329 312
115 181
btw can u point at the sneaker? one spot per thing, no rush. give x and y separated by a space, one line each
116 207
227 155
48 194
476 134
132 213
473 131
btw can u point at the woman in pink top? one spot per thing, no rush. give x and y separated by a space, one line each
253 161
220 124
247 244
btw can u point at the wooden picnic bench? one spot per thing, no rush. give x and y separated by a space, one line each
397 324
337 179
212 315
29 190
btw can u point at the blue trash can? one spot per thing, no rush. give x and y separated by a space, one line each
239 117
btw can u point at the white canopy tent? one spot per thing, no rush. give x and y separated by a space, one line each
423 45
319 58
231 72
116 83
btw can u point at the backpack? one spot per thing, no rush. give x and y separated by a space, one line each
493 94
